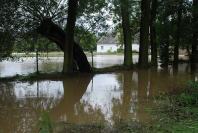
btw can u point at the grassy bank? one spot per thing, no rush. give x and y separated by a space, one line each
177 113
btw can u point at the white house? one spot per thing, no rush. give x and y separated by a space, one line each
109 43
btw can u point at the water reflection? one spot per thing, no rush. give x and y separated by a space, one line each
22 103
74 89
14 117
104 98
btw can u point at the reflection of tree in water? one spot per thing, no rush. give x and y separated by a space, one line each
41 101
144 92
21 114
124 109
13 117
85 113
137 89
71 109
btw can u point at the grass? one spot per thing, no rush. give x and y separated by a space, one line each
60 54
45 124
177 113
41 54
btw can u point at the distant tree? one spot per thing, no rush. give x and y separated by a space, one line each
29 44
6 44
86 39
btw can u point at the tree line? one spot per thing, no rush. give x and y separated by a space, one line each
164 26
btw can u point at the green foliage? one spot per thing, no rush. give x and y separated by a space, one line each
193 85
8 28
45 123
31 44
120 50
134 11
86 39
167 26
8 15
6 44
189 97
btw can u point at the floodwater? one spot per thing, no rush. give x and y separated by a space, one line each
83 98
24 66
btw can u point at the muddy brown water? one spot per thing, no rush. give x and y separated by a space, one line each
84 98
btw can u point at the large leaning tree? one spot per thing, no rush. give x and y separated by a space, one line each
57 20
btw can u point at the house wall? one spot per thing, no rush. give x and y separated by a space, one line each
103 48
135 47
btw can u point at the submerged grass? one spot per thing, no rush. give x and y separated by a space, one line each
45 124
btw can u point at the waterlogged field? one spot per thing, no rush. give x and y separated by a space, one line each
95 101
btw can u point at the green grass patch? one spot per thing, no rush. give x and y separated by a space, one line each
177 113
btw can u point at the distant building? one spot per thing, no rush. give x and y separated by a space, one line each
109 43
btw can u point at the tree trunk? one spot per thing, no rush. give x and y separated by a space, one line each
178 33
54 33
127 33
166 43
144 33
153 33
69 42
194 55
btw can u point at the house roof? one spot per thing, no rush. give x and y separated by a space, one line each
108 39
111 39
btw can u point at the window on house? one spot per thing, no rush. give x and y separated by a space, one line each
102 47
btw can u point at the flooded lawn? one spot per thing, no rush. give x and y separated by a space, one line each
54 64
83 98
